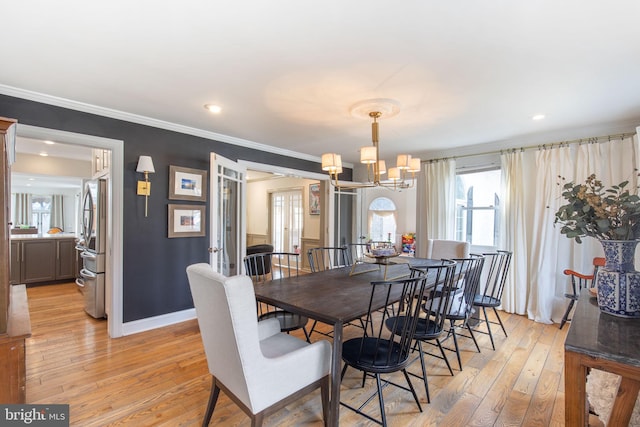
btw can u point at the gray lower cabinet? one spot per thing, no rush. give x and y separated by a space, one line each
43 260
14 265
66 261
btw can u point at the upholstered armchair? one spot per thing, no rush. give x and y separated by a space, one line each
257 366
447 249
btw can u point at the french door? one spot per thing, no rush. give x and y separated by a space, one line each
287 216
227 215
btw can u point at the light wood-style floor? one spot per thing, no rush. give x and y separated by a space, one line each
160 377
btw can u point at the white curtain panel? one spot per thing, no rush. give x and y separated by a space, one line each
545 257
441 199
57 211
514 217
421 212
436 203
22 206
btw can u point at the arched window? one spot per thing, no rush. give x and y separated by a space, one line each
382 220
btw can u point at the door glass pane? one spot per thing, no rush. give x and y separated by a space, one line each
286 220
230 230
231 173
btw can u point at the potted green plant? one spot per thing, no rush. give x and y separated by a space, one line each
611 215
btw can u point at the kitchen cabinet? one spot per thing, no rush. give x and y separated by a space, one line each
37 260
101 162
66 262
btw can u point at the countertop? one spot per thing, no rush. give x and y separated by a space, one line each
44 236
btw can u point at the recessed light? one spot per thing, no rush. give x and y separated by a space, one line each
44 154
215 109
49 142
538 117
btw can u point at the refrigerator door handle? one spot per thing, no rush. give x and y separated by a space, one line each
80 282
87 254
86 274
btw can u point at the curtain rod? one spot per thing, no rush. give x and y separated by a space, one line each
591 140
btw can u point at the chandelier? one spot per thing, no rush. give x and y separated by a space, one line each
400 177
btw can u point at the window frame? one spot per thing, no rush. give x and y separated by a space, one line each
462 210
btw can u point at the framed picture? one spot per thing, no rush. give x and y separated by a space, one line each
186 220
314 199
187 184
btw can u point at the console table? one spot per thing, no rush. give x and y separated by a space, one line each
600 341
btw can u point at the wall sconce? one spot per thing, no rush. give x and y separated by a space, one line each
145 165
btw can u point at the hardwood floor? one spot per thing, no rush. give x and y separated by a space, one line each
160 377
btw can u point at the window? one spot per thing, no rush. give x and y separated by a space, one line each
41 212
478 207
382 220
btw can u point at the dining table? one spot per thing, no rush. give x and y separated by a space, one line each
334 297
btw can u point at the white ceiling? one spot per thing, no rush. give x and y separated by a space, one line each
287 72
52 148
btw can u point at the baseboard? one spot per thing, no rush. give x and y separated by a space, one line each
143 325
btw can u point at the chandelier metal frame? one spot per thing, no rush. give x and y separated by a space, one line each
400 177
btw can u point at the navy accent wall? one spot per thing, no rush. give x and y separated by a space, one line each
154 278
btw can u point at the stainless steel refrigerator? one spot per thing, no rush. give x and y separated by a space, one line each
93 247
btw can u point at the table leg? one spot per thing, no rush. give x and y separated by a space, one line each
575 393
336 365
624 402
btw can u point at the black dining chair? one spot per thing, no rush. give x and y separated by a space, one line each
326 258
460 307
490 291
431 325
378 353
356 252
265 267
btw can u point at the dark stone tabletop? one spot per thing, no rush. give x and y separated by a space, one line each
602 335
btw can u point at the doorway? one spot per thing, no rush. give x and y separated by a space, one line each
114 257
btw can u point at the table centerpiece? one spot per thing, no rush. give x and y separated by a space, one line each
611 215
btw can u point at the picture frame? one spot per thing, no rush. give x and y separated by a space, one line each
186 221
314 199
187 184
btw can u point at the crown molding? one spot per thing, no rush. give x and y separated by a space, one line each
148 121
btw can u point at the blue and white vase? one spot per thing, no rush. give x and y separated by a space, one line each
618 282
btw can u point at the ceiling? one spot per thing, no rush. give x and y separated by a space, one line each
288 73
